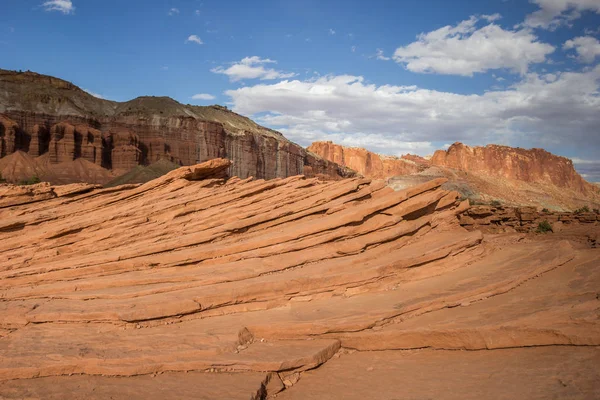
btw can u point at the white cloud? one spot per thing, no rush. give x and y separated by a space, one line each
94 94
197 12
252 68
492 17
331 31
203 96
194 39
380 56
586 47
173 11
64 6
553 13
465 49
353 49
589 169
562 110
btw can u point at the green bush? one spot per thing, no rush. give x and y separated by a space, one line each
584 209
544 227
31 181
545 210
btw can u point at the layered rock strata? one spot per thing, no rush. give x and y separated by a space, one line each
533 165
195 271
369 164
44 115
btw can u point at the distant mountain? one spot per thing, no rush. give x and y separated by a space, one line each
46 116
512 176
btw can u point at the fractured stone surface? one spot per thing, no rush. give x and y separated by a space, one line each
195 271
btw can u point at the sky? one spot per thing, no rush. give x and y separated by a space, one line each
395 77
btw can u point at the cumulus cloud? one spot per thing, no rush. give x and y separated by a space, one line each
252 68
586 47
173 11
465 49
194 39
331 31
64 6
203 96
538 111
553 13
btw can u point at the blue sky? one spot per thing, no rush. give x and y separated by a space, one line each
392 76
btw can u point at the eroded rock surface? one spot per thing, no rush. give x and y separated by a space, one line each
369 164
42 115
195 271
533 165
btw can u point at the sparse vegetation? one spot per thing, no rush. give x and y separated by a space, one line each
2 180
584 209
31 181
545 210
544 227
597 211
495 203
474 202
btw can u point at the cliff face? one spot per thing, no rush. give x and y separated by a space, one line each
533 165
366 163
42 115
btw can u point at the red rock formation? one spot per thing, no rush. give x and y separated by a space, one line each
40 141
62 143
8 135
196 272
534 165
125 152
91 144
157 128
366 163
523 219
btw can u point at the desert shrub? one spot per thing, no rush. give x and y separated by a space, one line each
495 203
584 209
2 180
597 211
31 181
544 227
545 210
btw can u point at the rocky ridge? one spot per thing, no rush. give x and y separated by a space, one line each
513 176
42 115
533 165
369 164
251 283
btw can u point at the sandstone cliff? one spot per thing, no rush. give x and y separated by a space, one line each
366 163
512 176
533 165
42 115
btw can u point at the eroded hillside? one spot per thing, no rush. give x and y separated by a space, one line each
49 117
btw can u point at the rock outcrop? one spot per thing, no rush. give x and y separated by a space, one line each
195 271
533 165
44 115
524 219
513 176
369 164
8 135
